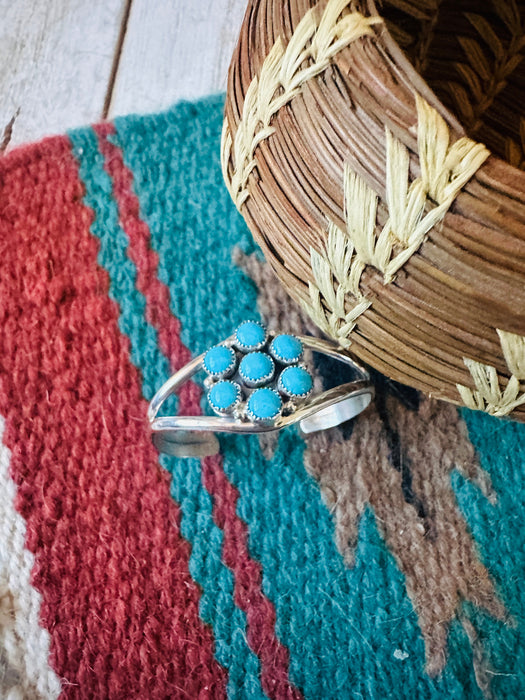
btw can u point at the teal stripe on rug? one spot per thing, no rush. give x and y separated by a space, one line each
217 606
342 626
112 256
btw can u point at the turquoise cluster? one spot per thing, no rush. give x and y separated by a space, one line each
250 377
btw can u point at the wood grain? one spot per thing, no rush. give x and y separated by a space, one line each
175 50
56 60
66 63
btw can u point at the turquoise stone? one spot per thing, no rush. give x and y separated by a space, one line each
264 405
287 349
224 396
295 382
250 335
219 361
256 368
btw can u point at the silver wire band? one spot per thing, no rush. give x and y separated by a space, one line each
195 435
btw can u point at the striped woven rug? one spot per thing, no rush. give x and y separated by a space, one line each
383 559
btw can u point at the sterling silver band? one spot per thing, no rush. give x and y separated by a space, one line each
194 436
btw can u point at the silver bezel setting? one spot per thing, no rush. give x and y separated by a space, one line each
280 359
228 372
257 419
257 383
232 407
294 397
250 348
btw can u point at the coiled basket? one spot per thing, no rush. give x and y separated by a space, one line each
375 154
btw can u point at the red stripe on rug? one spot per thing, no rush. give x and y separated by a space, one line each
110 563
146 262
249 596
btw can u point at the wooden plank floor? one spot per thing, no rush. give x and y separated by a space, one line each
65 63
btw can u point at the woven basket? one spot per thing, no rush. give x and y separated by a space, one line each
381 212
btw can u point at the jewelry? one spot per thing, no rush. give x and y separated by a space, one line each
257 382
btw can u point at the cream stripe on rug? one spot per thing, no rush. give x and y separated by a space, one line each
24 645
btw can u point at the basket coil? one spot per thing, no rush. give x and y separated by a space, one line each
386 217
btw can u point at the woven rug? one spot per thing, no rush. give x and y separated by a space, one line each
382 559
